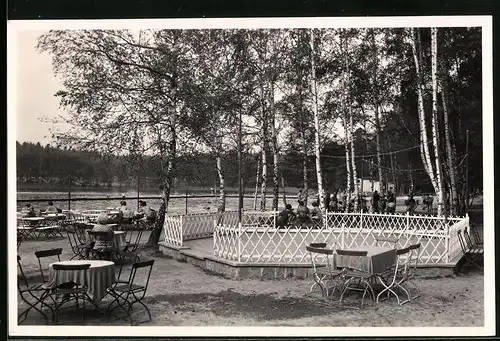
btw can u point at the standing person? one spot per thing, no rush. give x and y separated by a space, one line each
302 212
375 201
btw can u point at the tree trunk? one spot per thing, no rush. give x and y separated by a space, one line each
435 126
347 159
283 188
154 237
426 157
449 147
392 166
221 207
375 88
353 161
274 146
317 142
264 149
305 176
257 183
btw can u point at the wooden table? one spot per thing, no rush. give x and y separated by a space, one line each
100 276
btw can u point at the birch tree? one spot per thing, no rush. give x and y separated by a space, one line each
317 142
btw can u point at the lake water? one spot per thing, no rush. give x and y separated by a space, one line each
176 205
208 203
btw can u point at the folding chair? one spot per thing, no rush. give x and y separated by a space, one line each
45 254
322 272
475 234
38 293
404 270
25 230
351 274
80 250
47 231
471 256
127 294
73 290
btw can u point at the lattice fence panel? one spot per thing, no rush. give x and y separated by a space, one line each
226 240
173 230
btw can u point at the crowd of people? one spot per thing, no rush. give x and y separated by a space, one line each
336 202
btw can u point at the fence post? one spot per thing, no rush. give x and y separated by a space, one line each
239 241
447 258
407 221
342 241
182 230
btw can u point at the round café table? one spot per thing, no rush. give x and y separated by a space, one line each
100 276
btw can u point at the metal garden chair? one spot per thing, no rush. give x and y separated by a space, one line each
80 250
129 293
471 256
404 271
32 295
56 253
350 275
323 272
475 234
74 291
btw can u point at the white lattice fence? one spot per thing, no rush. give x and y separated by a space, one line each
260 242
173 230
226 242
201 225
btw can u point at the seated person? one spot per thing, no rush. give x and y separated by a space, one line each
145 212
391 206
102 243
51 209
302 212
285 216
315 211
410 204
28 211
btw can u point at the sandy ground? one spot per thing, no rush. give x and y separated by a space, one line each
181 294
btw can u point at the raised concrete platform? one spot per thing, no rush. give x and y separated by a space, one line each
199 253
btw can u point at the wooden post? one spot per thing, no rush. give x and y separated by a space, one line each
187 190
467 172
69 192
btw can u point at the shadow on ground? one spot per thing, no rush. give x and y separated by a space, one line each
262 307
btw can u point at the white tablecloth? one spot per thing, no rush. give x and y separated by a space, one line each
100 276
119 240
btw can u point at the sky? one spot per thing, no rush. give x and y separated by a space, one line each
35 89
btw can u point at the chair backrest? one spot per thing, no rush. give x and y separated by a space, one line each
45 254
317 244
352 253
475 233
462 241
133 237
133 272
73 239
23 276
72 267
468 239
316 249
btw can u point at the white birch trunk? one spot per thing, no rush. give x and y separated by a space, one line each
221 205
426 157
435 127
317 142
264 156
274 146
257 177
449 147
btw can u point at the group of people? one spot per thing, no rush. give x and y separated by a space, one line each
29 211
303 215
385 203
